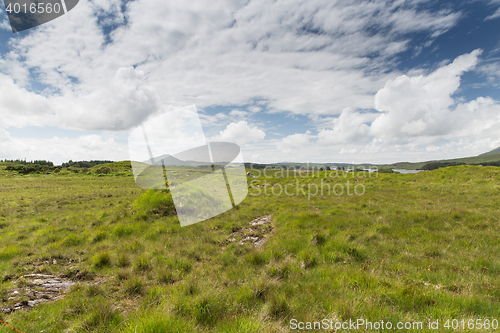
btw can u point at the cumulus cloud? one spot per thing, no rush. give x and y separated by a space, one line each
294 142
419 113
317 58
19 107
59 150
232 52
124 102
351 126
420 105
241 133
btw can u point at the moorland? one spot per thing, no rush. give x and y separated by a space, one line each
411 247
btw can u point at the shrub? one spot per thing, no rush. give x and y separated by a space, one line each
104 170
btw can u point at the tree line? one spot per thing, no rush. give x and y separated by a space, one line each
24 162
84 164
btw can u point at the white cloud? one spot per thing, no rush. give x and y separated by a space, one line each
254 108
490 69
19 107
4 25
420 105
494 15
120 104
419 114
294 142
319 58
351 126
230 52
59 150
241 133
238 113
126 101
344 151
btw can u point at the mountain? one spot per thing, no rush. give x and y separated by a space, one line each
169 160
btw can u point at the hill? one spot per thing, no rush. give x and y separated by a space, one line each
475 160
494 151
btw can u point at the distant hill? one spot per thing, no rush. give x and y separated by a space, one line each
483 158
494 151
169 160
489 158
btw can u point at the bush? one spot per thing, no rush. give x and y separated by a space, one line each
32 168
385 170
104 170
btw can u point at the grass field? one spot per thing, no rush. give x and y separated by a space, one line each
413 247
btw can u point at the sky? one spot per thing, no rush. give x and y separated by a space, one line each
301 81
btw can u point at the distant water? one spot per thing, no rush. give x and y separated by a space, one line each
406 171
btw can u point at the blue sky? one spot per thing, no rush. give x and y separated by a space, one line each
318 80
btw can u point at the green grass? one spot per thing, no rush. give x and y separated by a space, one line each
414 246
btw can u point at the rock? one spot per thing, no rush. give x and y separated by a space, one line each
39 288
261 220
257 234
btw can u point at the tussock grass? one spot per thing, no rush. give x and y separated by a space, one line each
414 246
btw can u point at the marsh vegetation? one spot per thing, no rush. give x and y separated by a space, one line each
412 247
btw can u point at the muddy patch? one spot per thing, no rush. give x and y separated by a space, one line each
257 233
34 289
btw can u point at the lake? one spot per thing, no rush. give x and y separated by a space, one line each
406 171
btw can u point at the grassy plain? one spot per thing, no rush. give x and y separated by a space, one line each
413 247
